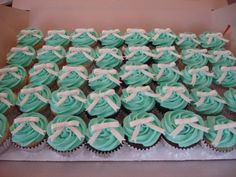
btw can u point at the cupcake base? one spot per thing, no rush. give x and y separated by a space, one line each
34 147
102 153
206 143
140 146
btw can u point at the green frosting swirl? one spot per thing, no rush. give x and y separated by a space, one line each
67 139
229 80
138 58
164 39
83 39
3 127
216 42
230 98
29 39
57 40
187 43
189 135
11 97
27 135
197 59
112 41
167 56
136 39
226 59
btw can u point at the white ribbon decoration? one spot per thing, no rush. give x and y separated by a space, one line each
24 33
61 33
114 32
70 93
98 128
159 31
31 120
88 31
163 66
147 121
84 50
183 36
211 36
191 52
161 50
133 50
219 53
4 100
24 50
54 50
190 121
131 31
10 70
111 51
43 66
225 71
78 69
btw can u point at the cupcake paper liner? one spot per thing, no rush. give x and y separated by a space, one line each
207 145
5 145
140 146
103 153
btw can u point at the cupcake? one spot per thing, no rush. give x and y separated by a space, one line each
222 134
104 79
66 133
72 76
105 135
137 55
84 37
207 101
230 99
29 131
222 57
187 40
4 134
7 100
57 38
33 97
68 101
103 103
162 37
197 77
138 98
142 130
136 75
183 129
111 38
173 96
225 76
166 73
212 40
108 58
29 37
136 37
165 54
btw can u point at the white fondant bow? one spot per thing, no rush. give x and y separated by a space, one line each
78 69
114 32
11 70
131 31
111 51
226 53
24 50
88 31
61 33
179 90
54 49
225 71
183 37
133 50
191 52
211 36
159 31
43 66
161 51
84 50
141 68
163 66
4 100
24 33
70 93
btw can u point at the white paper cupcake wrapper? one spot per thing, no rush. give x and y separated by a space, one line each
4 147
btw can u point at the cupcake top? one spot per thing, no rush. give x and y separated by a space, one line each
83 37
222 133
66 132
138 98
28 129
225 75
222 57
33 97
104 79
72 76
142 128
183 127
12 76
212 40
68 101
197 77
173 96
7 99
49 54
103 103
105 134
162 37
108 57
187 40
57 38
207 101
29 37
80 55
230 99
166 73
136 75
111 38
3 127
43 73
22 56
136 37
165 54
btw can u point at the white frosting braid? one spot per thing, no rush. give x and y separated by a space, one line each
25 32
88 31
191 52
43 66
160 31
25 50
131 31
225 71
211 36
84 50
4 100
226 53
54 49
184 36
161 50
61 33
133 50
114 32
163 66
9 70
111 51
80 70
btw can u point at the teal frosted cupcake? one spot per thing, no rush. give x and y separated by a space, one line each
137 55
136 75
108 58
84 37
7 100
212 40
162 37
105 135
183 129
222 57
165 54
230 99
29 37
80 56
173 96
111 38
207 101
103 79
70 101
142 130
136 37
4 134
29 130
57 38
66 133
23 56
103 103
138 98
72 76
197 77
225 76
222 134
33 97
166 73
187 40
